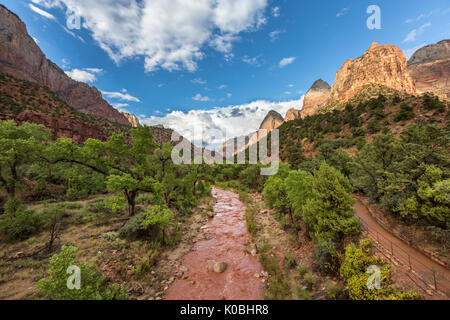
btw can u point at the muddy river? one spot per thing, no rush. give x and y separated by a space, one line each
224 240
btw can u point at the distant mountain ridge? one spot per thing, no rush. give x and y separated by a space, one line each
22 58
430 69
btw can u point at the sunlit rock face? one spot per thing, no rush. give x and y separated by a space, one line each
381 64
430 69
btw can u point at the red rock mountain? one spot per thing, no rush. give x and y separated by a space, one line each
430 69
381 64
21 57
315 98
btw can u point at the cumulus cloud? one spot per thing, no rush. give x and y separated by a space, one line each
169 35
84 75
286 61
221 123
416 32
120 96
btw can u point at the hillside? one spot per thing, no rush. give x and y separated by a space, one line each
350 125
26 101
22 58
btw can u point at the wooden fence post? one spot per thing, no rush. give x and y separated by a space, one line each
435 282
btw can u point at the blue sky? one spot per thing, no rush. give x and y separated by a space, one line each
218 63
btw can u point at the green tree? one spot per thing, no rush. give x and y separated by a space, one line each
158 216
328 212
127 166
92 287
19 146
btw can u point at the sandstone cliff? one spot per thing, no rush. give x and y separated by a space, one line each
315 98
132 119
430 69
381 64
21 57
292 114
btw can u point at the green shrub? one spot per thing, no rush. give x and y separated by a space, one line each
333 290
289 261
301 269
310 281
302 294
19 223
354 271
93 285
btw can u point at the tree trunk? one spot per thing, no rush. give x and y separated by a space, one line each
131 199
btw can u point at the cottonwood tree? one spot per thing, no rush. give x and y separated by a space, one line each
19 146
127 166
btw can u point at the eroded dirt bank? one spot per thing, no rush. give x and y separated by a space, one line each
226 241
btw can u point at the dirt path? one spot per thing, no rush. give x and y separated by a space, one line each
225 239
421 264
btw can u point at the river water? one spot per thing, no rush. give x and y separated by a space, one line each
224 239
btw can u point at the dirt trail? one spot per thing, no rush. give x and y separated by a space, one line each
225 240
422 264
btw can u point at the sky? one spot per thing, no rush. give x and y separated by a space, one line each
218 66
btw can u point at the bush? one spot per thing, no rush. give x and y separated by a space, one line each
354 271
310 281
19 223
406 113
301 269
93 285
289 261
333 290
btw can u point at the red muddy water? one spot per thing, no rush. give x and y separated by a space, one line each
229 237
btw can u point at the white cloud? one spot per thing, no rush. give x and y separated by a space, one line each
169 35
223 86
416 32
276 12
286 61
121 106
343 12
84 75
41 12
229 95
254 61
199 97
410 52
221 123
274 35
198 81
420 17
120 96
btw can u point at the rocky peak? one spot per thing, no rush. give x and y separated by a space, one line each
21 57
381 64
430 69
132 119
292 114
272 121
431 53
316 96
